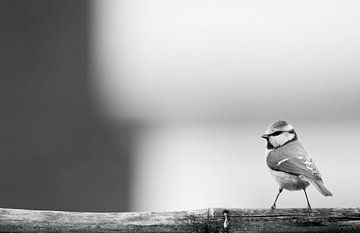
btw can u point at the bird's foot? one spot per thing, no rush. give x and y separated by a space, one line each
271 210
310 211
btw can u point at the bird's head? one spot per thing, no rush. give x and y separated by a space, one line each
279 133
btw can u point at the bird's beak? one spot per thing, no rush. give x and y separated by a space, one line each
265 136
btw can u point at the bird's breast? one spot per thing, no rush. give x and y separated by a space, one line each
289 181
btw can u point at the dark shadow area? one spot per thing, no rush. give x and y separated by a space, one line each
55 153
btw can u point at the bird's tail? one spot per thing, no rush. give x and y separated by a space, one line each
319 185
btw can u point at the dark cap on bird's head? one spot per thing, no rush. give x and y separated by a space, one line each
279 125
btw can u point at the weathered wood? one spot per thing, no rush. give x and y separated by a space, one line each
290 220
14 220
205 220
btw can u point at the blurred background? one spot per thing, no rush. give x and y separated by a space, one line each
128 105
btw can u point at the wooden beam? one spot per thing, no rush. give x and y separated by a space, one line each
204 220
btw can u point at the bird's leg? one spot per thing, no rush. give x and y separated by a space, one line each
308 203
277 196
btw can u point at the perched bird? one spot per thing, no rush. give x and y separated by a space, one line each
289 163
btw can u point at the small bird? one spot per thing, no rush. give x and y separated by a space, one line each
289 163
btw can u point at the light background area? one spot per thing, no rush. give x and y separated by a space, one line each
224 166
204 79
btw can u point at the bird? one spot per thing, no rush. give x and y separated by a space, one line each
289 163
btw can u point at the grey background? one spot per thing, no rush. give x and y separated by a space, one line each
207 77
159 105
55 152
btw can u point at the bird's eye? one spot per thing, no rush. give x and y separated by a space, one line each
276 133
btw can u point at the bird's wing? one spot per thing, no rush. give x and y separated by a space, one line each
292 158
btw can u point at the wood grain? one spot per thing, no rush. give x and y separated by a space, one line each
204 220
291 220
